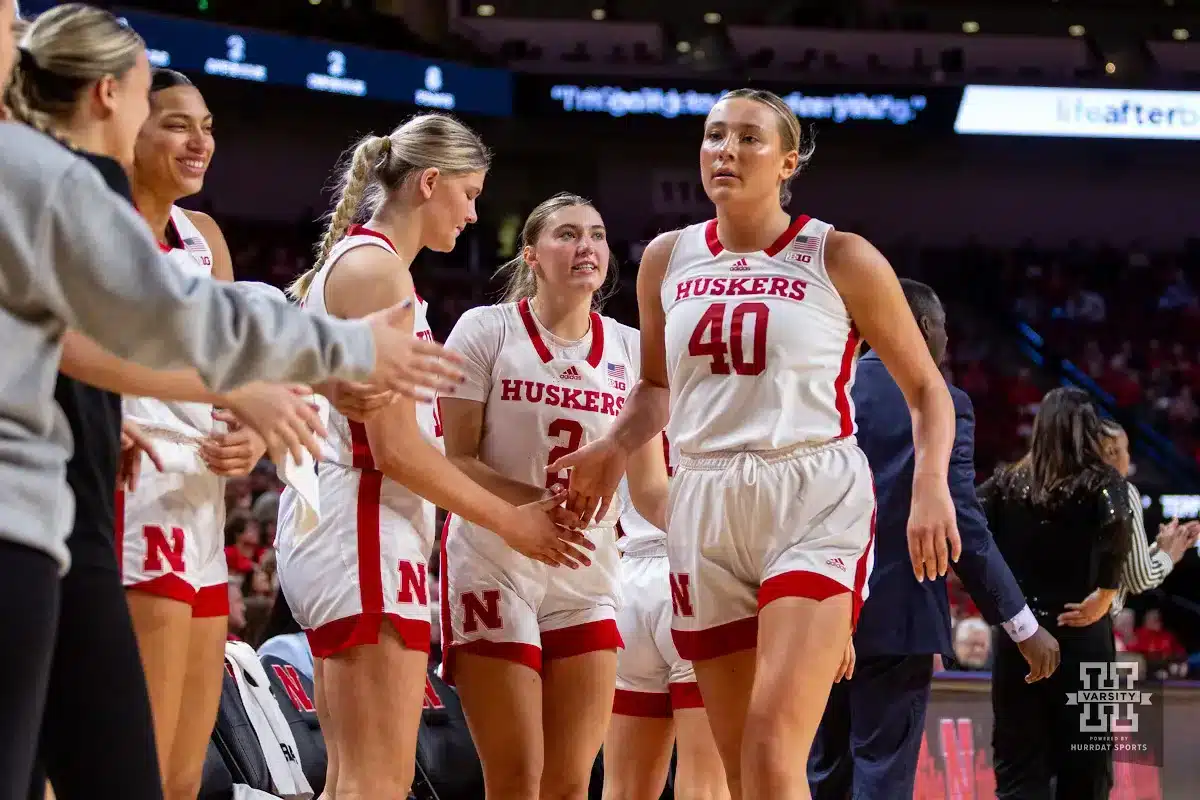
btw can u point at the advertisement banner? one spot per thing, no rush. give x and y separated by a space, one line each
874 106
238 53
1083 113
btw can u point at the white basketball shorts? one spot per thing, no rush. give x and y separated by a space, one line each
499 603
170 535
366 562
747 528
652 679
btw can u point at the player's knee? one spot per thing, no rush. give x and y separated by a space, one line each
700 782
769 743
182 784
519 780
565 784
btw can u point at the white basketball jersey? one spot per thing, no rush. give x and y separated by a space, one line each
193 257
347 441
545 398
638 535
761 352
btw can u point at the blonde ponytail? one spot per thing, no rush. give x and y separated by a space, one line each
379 165
355 180
521 282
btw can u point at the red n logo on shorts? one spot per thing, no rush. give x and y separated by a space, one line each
290 679
432 698
681 595
486 611
413 582
157 548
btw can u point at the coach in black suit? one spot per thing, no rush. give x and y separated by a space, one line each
870 735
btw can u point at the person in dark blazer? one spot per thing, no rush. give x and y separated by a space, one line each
870 735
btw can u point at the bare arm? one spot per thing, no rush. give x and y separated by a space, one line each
878 308
876 303
648 406
365 280
648 484
462 429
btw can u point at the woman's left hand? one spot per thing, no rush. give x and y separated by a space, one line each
1091 610
233 454
933 540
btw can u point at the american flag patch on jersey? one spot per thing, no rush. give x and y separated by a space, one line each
616 371
806 244
194 244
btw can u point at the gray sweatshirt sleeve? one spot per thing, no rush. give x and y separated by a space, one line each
104 274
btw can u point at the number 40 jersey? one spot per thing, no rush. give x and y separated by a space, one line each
761 351
544 397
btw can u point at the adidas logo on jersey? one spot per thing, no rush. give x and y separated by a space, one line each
571 374
836 563
739 266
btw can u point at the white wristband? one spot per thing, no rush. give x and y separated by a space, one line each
1022 626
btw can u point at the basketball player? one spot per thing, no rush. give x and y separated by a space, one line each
533 650
369 627
751 325
657 703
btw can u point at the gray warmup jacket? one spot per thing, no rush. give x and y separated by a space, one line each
74 254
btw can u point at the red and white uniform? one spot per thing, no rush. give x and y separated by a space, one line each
652 679
771 497
544 398
171 530
367 559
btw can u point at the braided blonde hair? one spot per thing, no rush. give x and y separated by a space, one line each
63 51
791 134
520 281
379 165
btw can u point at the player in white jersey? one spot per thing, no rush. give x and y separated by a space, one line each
657 704
531 649
750 330
358 584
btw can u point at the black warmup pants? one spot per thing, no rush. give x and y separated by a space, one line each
97 736
1034 727
29 601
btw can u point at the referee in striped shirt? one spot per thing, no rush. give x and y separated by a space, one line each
1148 564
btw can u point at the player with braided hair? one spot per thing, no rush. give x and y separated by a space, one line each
379 480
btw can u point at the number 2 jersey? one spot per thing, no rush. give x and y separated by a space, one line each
761 351
545 398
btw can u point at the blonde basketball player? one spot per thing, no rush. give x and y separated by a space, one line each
657 703
533 650
358 582
751 325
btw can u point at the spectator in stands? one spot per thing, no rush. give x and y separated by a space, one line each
243 543
1163 652
973 644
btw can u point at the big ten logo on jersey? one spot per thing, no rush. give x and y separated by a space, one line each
163 545
616 376
414 583
803 249
289 679
481 609
678 191
681 595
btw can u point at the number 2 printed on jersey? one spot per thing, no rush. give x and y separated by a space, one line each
722 338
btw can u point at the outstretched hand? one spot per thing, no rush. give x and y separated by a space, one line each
596 470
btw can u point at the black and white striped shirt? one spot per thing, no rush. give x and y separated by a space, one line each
1146 566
